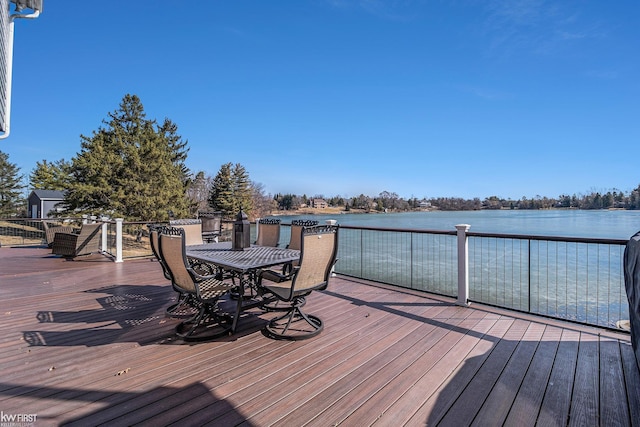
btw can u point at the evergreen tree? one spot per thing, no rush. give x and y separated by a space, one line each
50 176
221 194
231 190
178 148
11 200
130 168
243 191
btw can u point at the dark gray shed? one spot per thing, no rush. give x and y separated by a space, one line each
43 202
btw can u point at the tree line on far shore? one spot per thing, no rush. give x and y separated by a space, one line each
388 201
134 168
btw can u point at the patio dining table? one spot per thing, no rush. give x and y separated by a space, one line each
242 264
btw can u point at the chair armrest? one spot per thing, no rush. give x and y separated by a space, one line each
201 270
275 276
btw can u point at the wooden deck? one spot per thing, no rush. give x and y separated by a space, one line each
86 342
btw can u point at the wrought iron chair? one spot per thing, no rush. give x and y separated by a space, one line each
296 231
71 245
268 232
186 305
317 257
211 225
192 230
210 322
295 240
294 243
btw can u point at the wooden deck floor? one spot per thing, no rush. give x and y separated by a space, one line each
86 342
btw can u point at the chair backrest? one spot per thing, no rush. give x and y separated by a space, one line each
154 243
89 238
296 232
211 221
268 232
171 245
50 230
192 230
317 257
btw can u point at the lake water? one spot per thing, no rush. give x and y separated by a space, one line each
608 224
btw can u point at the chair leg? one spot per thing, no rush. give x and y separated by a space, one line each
294 324
185 307
274 304
209 323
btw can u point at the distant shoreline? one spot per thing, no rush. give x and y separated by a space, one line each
313 211
342 211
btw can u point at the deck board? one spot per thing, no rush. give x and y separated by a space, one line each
497 405
88 342
472 399
445 339
613 399
555 378
586 391
632 382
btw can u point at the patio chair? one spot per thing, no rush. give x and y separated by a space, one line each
211 225
71 245
209 322
295 240
186 305
268 232
192 230
296 231
317 257
294 243
50 231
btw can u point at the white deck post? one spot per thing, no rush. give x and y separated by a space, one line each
119 239
105 233
463 265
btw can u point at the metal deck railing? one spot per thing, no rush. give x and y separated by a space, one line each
575 279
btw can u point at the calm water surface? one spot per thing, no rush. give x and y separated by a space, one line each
610 224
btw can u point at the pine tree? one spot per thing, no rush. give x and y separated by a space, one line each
231 190
50 176
11 200
221 194
130 168
178 148
242 191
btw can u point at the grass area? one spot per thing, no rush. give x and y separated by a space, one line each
20 234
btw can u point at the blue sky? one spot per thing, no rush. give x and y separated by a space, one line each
461 98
